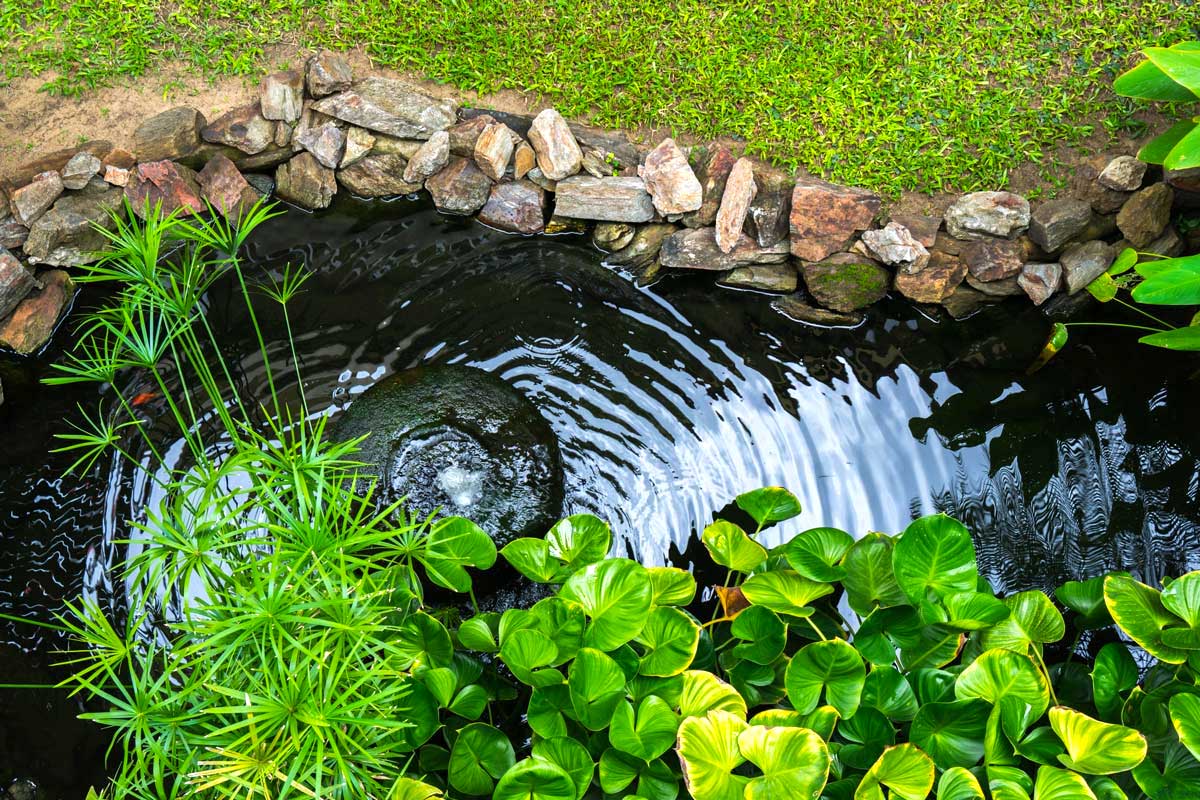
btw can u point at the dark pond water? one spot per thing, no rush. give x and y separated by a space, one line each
667 402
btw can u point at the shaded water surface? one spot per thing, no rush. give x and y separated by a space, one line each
667 403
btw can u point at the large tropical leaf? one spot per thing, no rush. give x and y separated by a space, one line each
952 733
904 770
1033 620
1185 718
646 733
784 592
817 553
1172 282
769 504
1180 64
1114 672
1158 149
762 635
615 595
597 684
530 654
535 779
671 586
794 761
1095 747
1139 610
890 693
730 546
1061 784
958 783
832 667
709 753
1147 81
1009 681
480 756
570 756
670 638
703 692
935 557
870 581
1085 598
1184 339
455 543
579 540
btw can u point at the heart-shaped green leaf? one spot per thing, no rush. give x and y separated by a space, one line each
671 586
729 546
762 634
1011 682
1061 784
1173 282
531 557
1185 718
615 595
703 692
579 540
1139 610
952 733
870 581
1095 747
935 557
480 756
769 504
817 553
455 543
410 789
904 770
562 622
974 611
794 761
669 638
832 667
1113 673
784 592
424 642
890 692
481 632
530 654
1033 621
1086 598
597 684
709 753
646 734
958 783
535 779
570 756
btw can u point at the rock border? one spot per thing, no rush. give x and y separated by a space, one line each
829 251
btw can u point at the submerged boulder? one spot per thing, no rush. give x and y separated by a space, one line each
463 441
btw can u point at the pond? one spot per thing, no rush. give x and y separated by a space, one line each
666 402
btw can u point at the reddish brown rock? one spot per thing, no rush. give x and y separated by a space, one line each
994 259
225 188
1040 281
31 324
465 134
117 176
173 134
164 183
517 207
460 188
34 198
494 149
936 282
825 216
244 128
712 170
740 190
558 154
524 159
306 182
670 180
15 282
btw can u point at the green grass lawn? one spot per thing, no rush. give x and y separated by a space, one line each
890 94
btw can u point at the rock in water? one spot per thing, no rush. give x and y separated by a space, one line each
305 182
1083 263
377 176
461 440
460 188
845 282
27 329
1040 281
516 207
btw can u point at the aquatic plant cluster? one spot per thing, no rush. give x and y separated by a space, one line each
287 636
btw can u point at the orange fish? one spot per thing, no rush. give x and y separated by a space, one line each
143 398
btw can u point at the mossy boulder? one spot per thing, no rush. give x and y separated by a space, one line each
846 281
462 441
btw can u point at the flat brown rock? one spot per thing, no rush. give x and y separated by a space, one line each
244 128
378 176
328 72
994 259
430 157
516 207
605 199
936 282
69 234
33 199
460 188
225 188
31 324
163 183
696 248
173 134
305 182
825 216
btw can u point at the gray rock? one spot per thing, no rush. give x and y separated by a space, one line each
494 149
378 176
609 237
796 308
517 207
33 199
31 324
68 234
460 188
1040 281
935 282
895 246
306 182
1056 222
391 107
1123 174
430 158
225 188
465 134
173 134
264 185
15 282
643 251
390 145
767 221
824 217
923 227
558 154
594 164
1104 200
994 259
12 233
281 95
359 143
979 214
712 165
1168 245
607 199
79 170
1083 263
740 191
244 128
1146 214
537 176
615 146
696 248
845 282
775 278
670 180
328 73
327 144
